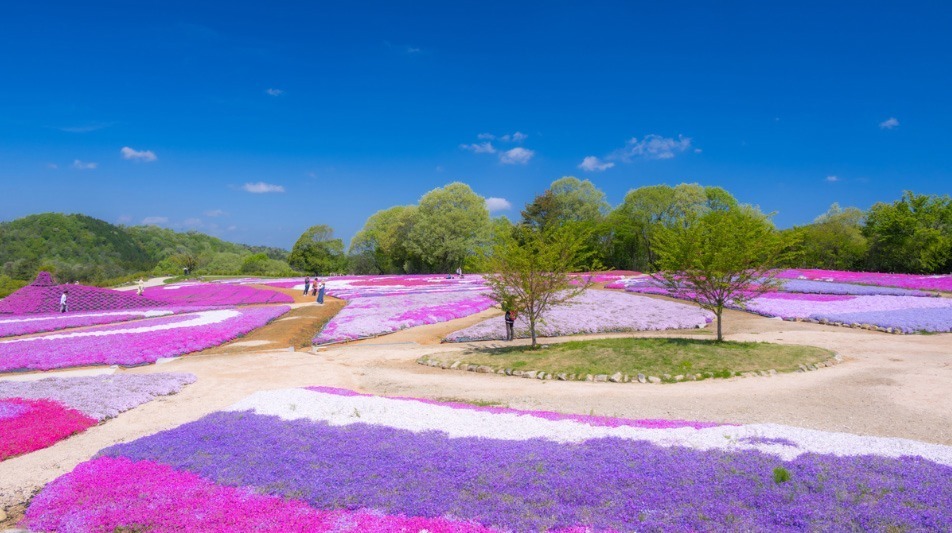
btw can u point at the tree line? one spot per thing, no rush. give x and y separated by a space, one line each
450 227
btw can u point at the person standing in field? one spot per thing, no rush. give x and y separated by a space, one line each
320 293
307 284
510 322
141 286
63 307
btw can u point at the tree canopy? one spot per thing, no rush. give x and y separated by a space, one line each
449 225
317 252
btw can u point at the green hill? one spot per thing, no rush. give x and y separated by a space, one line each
81 248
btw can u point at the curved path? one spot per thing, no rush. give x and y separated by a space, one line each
889 385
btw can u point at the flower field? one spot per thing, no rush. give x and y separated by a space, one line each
214 294
384 304
942 282
142 342
15 325
329 460
43 296
37 414
895 309
595 311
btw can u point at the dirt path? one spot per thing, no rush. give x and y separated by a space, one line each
889 385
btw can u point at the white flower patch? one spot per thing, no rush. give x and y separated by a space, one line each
202 318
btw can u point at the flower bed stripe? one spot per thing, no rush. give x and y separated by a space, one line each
595 311
40 423
112 494
142 343
215 294
940 282
337 410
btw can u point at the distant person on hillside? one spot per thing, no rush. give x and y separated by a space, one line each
320 293
459 271
141 286
510 322
307 284
63 307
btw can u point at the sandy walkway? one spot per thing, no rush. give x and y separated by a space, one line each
890 385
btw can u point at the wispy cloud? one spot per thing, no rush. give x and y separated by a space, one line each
653 147
124 219
486 136
403 48
131 154
594 164
497 204
83 165
516 156
479 148
193 223
155 221
889 123
262 187
214 213
516 137
832 179
274 92
86 128
52 166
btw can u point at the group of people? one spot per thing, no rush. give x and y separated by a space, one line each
316 288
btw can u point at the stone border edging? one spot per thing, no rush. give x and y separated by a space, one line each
617 377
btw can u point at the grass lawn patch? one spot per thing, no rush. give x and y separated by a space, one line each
651 356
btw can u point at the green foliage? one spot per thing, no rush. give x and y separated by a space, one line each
834 241
913 234
380 247
781 475
531 270
9 285
450 224
318 252
646 211
721 257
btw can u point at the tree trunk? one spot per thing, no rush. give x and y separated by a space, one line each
532 332
720 337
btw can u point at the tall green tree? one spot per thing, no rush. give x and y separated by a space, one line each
648 210
531 268
380 247
318 252
833 241
912 234
450 224
721 258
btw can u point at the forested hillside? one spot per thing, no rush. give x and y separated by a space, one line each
81 248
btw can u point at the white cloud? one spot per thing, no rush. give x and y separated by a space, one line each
86 128
516 156
653 147
124 219
594 164
192 223
138 155
889 123
262 187
52 166
479 148
486 136
214 213
155 221
82 165
832 179
274 92
497 204
516 137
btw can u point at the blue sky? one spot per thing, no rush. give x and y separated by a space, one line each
254 121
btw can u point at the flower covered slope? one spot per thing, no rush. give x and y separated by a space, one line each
136 343
210 294
384 304
37 414
286 460
927 282
43 296
595 311
890 308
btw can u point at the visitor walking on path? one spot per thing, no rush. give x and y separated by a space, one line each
63 307
307 284
510 321
320 293
141 286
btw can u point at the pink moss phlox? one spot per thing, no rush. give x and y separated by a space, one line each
45 298
112 494
40 423
941 282
591 420
806 297
215 294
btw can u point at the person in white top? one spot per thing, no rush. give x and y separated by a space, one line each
63 307
141 289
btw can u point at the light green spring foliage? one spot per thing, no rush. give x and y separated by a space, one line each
913 234
532 269
833 241
317 252
721 257
449 225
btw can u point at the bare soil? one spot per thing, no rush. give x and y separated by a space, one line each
888 385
